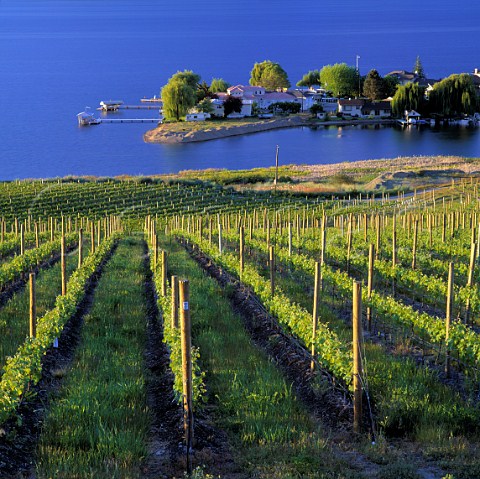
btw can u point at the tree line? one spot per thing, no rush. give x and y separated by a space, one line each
452 96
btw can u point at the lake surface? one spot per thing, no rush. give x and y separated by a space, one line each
58 56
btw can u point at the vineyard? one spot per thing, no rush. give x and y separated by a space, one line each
161 328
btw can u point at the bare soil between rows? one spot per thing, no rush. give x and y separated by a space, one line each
167 452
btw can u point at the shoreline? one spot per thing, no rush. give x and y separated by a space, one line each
167 135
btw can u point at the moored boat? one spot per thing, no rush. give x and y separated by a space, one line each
85 118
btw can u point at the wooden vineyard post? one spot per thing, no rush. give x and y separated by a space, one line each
37 238
174 284
155 250
271 258
33 306
414 247
349 242
22 240
186 366
64 266
444 226
323 249
52 229
92 238
471 270
394 241
80 247
365 227
99 232
268 231
164 272
289 239
448 318
430 230
377 227
357 359
316 291
371 259
242 249
220 238
394 252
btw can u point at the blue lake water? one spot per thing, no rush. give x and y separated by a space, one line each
58 56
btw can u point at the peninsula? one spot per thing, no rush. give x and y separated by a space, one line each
188 132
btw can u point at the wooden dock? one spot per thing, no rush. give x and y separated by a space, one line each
139 107
131 107
130 120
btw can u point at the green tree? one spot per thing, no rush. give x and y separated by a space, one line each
179 94
270 75
205 106
391 84
407 97
203 91
285 107
219 85
374 86
309 79
232 104
192 79
316 108
453 96
340 79
418 68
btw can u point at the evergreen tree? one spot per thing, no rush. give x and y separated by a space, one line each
391 84
374 86
418 68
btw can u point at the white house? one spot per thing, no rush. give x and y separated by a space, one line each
351 107
245 91
377 109
217 106
200 116
247 105
329 104
269 98
364 108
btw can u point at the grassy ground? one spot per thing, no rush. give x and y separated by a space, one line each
372 176
97 426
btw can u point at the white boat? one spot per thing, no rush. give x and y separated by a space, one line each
85 118
151 100
110 105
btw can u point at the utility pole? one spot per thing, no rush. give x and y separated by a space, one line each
358 74
276 167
